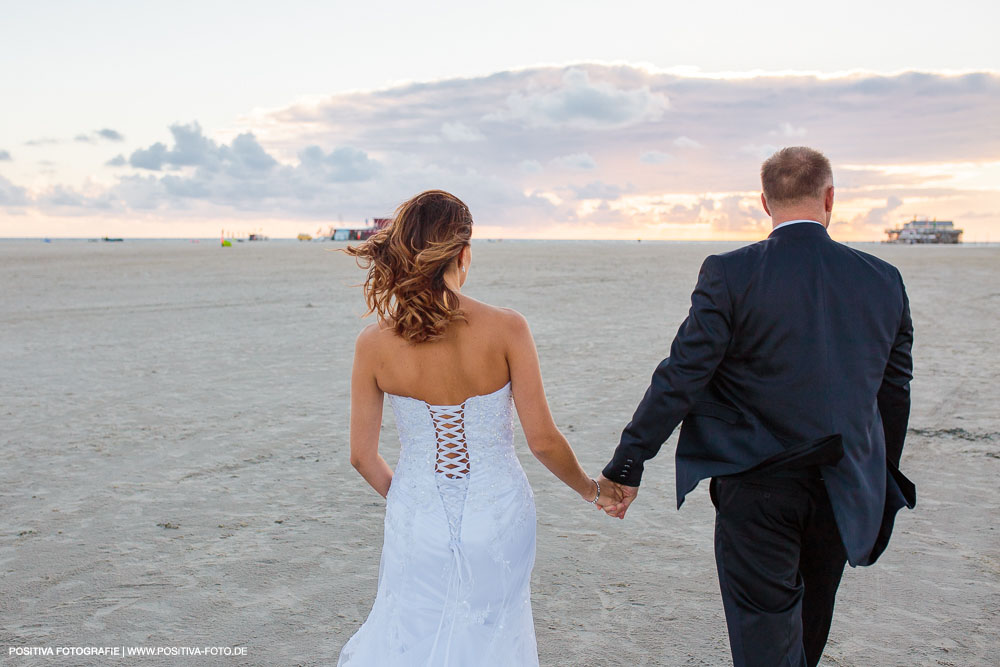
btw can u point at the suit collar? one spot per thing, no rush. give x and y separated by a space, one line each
800 230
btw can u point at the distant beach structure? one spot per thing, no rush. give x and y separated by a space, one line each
360 234
924 231
237 236
333 233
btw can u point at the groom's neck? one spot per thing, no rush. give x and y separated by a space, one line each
780 220
803 211
807 208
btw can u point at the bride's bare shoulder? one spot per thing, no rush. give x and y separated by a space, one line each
373 335
504 321
513 318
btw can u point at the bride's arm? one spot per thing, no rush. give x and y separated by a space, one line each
366 416
545 440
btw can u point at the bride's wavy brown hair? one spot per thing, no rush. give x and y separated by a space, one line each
406 262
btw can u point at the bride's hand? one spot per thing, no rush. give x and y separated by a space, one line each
622 497
611 493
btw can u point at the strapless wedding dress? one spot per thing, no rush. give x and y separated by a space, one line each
459 545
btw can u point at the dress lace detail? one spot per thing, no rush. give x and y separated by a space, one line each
459 543
449 427
452 469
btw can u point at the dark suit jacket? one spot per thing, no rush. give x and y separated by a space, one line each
789 343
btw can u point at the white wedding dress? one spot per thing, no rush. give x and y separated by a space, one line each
459 545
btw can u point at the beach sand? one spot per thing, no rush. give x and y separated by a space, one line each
175 457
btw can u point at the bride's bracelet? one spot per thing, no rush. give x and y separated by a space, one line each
598 496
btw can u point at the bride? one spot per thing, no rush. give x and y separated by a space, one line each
459 542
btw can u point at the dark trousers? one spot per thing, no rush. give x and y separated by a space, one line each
780 559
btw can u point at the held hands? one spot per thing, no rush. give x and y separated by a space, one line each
609 493
615 498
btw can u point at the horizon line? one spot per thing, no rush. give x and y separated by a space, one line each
484 239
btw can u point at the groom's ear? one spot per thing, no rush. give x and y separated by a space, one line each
828 199
763 202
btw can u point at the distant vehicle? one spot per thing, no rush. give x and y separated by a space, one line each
924 231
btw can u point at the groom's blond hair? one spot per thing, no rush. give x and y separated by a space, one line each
795 173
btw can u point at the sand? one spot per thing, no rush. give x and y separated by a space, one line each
174 467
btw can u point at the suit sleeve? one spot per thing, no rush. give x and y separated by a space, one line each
894 393
699 346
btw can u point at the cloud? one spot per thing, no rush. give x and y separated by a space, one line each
654 157
603 214
192 148
686 214
61 195
597 190
878 216
530 166
140 192
580 103
575 161
12 195
342 165
246 155
82 138
789 131
860 119
149 158
760 151
197 170
110 135
533 147
740 214
5 156
460 132
686 142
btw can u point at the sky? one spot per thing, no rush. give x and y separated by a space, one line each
551 120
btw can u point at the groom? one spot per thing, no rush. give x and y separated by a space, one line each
791 376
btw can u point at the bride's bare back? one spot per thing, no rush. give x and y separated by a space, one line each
475 357
470 360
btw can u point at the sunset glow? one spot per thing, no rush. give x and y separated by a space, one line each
663 143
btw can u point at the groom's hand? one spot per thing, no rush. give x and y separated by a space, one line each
625 495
